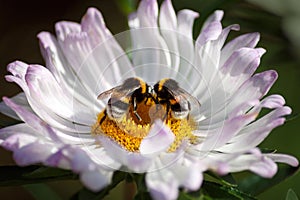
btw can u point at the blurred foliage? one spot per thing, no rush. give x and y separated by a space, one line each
291 195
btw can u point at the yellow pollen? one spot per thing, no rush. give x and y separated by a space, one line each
130 131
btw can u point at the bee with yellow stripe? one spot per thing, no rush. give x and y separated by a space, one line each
177 100
131 92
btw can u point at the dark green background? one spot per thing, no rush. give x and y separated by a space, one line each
21 21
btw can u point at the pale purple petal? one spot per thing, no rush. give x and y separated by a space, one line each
247 40
283 158
265 168
256 163
60 159
253 134
19 70
95 180
189 177
149 49
218 137
17 140
135 162
44 88
147 13
32 120
185 21
254 88
61 69
211 32
167 16
168 29
33 153
20 99
162 185
106 45
159 139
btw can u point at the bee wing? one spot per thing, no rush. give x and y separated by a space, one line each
189 97
193 103
106 94
117 92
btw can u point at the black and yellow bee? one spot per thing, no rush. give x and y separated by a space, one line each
177 100
131 92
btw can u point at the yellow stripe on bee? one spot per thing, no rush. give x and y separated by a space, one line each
143 87
162 83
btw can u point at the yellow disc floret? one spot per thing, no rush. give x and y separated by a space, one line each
129 131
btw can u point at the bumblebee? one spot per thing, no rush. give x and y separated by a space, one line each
131 92
177 100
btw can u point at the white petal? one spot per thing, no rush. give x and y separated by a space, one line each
95 180
134 162
247 40
36 152
15 140
20 99
283 158
161 185
61 69
159 139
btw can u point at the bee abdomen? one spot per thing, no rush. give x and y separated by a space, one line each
116 109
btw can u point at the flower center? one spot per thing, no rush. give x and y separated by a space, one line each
130 131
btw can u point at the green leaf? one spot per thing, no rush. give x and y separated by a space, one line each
127 6
41 192
85 194
218 191
291 195
212 191
226 180
255 184
14 175
142 191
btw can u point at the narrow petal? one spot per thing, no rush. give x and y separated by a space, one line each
254 88
185 21
189 177
149 50
283 158
44 88
19 70
162 185
16 140
218 137
62 70
32 120
258 164
249 40
134 162
253 134
95 180
168 29
159 139
20 99
36 152
147 13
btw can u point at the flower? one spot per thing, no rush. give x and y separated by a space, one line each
61 117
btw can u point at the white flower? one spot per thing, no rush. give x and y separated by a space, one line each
58 107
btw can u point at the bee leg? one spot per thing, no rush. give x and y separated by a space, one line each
134 110
103 118
167 111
